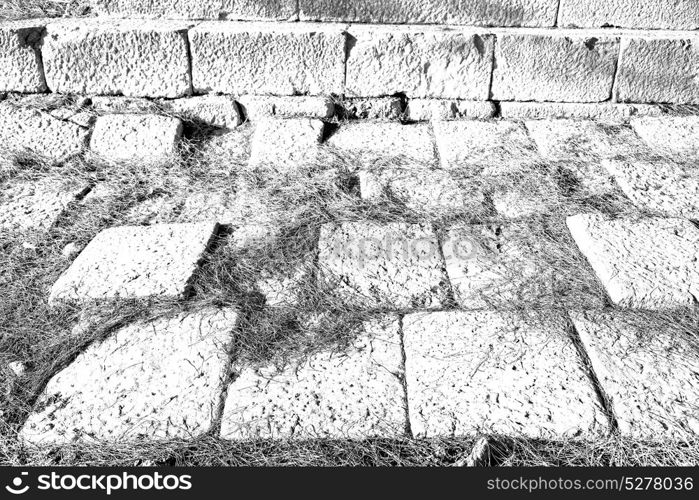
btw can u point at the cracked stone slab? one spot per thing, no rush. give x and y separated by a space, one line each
136 137
650 376
649 14
647 263
397 265
132 58
355 393
285 145
258 106
485 372
149 380
446 109
662 186
267 58
670 135
214 110
20 57
419 62
131 261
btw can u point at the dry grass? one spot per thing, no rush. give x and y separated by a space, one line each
27 9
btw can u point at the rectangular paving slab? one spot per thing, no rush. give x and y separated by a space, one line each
474 373
161 379
131 261
286 145
648 367
352 393
673 135
20 56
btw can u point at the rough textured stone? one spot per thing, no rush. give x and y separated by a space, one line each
646 263
218 111
671 135
662 186
267 58
651 14
280 10
440 109
20 57
286 144
469 12
373 108
136 137
154 380
565 67
354 394
24 129
171 9
657 69
603 112
129 261
257 107
651 376
496 373
419 62
131 58
397 265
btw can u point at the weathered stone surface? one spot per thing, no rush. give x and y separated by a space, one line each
603 112
131 58
267 58
469 12
441 109
24 129
650 373
655 69
136 137
129 261
647 263
487 148
257 107
373 108
218 111
154 380
354 394
397 265
419 62
662 186
565 67
280 10
496 373
671 135
651 14
286 144
171 9
20 57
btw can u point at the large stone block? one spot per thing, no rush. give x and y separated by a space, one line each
131 58
280 10
655 69
564 67
215 110
199 9
136 137
651 14
286 145
419 62
601 112
20 57
669 135
268 58
468 12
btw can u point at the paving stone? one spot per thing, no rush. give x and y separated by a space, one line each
670 135
397 265
217 111
443 109
149 380
649 370
648 263
20 57
130 58
662 186
525 195
601 112
497 373
355 394
565 67
130 262
483 147
286 144
228 150
267 58
418 62
373 108
24 129
659 69
651 14
469 12
257 107
136 137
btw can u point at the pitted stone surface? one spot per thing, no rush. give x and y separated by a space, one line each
563 67
662 186
280 10
444 109
497 373
651 14
419 62
373 108
136 137
353 394
655 69
257 107
267 58
602 112
131 58
20 57
396 264
217 111
286 144
170 9
670 135
23 129
647 263
155 380
650 376
130 261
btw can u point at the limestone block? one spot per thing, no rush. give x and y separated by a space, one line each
674 135
257 107
444 109
136 137
217 111
651 14
285 145
373 108
20 57
602 112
